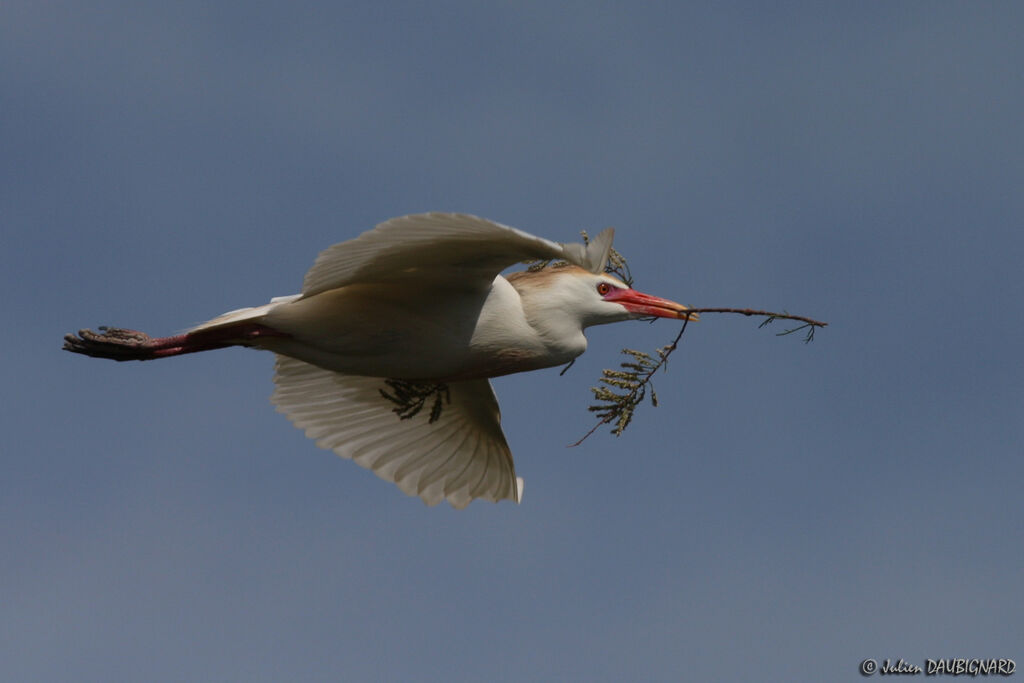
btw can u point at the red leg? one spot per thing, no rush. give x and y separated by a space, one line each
120 344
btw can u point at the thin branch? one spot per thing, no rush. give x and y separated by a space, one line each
809 324
637 373
770 315
636 392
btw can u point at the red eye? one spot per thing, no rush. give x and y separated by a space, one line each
603 288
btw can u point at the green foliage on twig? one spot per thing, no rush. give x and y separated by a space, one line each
621 391
624 390
411 397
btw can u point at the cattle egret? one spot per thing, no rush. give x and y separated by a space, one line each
419 298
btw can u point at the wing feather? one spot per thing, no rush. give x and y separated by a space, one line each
436 247
460 457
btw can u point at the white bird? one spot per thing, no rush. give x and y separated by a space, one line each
418 298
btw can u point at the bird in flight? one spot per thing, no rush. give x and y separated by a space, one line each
418 299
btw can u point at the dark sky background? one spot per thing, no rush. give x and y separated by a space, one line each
788 511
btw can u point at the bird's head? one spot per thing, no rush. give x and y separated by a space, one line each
589 298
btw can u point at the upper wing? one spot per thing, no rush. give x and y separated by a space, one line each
461 456
442 246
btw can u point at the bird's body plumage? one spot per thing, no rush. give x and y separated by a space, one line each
435 334
418 298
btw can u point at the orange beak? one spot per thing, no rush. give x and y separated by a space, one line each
643 305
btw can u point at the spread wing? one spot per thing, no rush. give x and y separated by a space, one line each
442 246
460 457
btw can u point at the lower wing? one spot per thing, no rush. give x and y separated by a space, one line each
461 456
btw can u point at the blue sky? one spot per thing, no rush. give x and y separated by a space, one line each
788 511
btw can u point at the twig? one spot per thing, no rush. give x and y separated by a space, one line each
770 315
638 373
809 324
636 393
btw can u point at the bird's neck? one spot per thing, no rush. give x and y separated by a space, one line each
553 320
522 335
561 334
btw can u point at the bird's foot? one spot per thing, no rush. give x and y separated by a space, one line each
111 342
